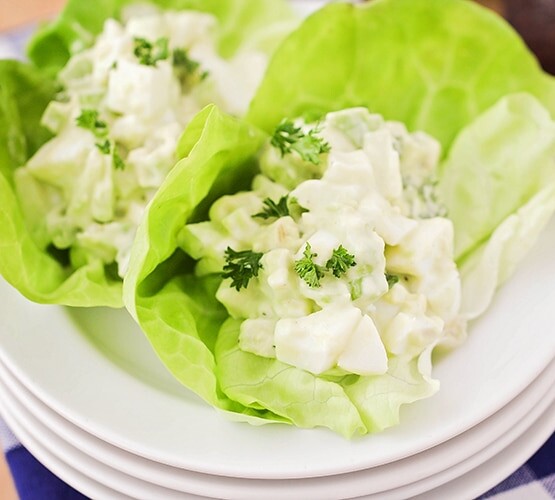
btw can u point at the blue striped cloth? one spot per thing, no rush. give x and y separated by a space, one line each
33 481
534 481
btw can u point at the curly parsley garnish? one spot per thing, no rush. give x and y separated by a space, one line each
117 160
149 53
241 266
106 148
288 137
308 270
271 209
89 120
340 261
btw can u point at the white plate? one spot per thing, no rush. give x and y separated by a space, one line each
88 475
410 476
36 433
95 368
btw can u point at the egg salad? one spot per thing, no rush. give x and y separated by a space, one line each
340 256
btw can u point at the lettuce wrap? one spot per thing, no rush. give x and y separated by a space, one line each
28 259
447 67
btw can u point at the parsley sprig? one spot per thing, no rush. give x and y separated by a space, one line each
340 261
149 53
288 138
271 209
308 270
338 264
241 266
89 120
117 160
106 148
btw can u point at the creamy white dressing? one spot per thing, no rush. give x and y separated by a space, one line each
70 189
372 194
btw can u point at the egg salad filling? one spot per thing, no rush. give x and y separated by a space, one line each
340 256
124 103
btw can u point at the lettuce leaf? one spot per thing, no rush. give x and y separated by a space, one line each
240 21
494 261
379 398
24 94
498 184
179 316
304 399
433 64
496 165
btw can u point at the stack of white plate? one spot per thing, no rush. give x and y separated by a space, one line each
85 393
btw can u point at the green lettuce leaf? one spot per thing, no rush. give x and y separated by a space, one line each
177 312
496 165
24 94
498 184
304 399
241 21
433 64
494 262
379 398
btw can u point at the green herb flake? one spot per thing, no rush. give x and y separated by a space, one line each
288 138
340 261
271 209
117 160
187 69
105 147
149 53
241 266
391 279
89 120
308 270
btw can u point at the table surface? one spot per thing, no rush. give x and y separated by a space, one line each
14 13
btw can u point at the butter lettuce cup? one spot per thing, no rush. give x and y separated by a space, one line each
92 122
301 266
